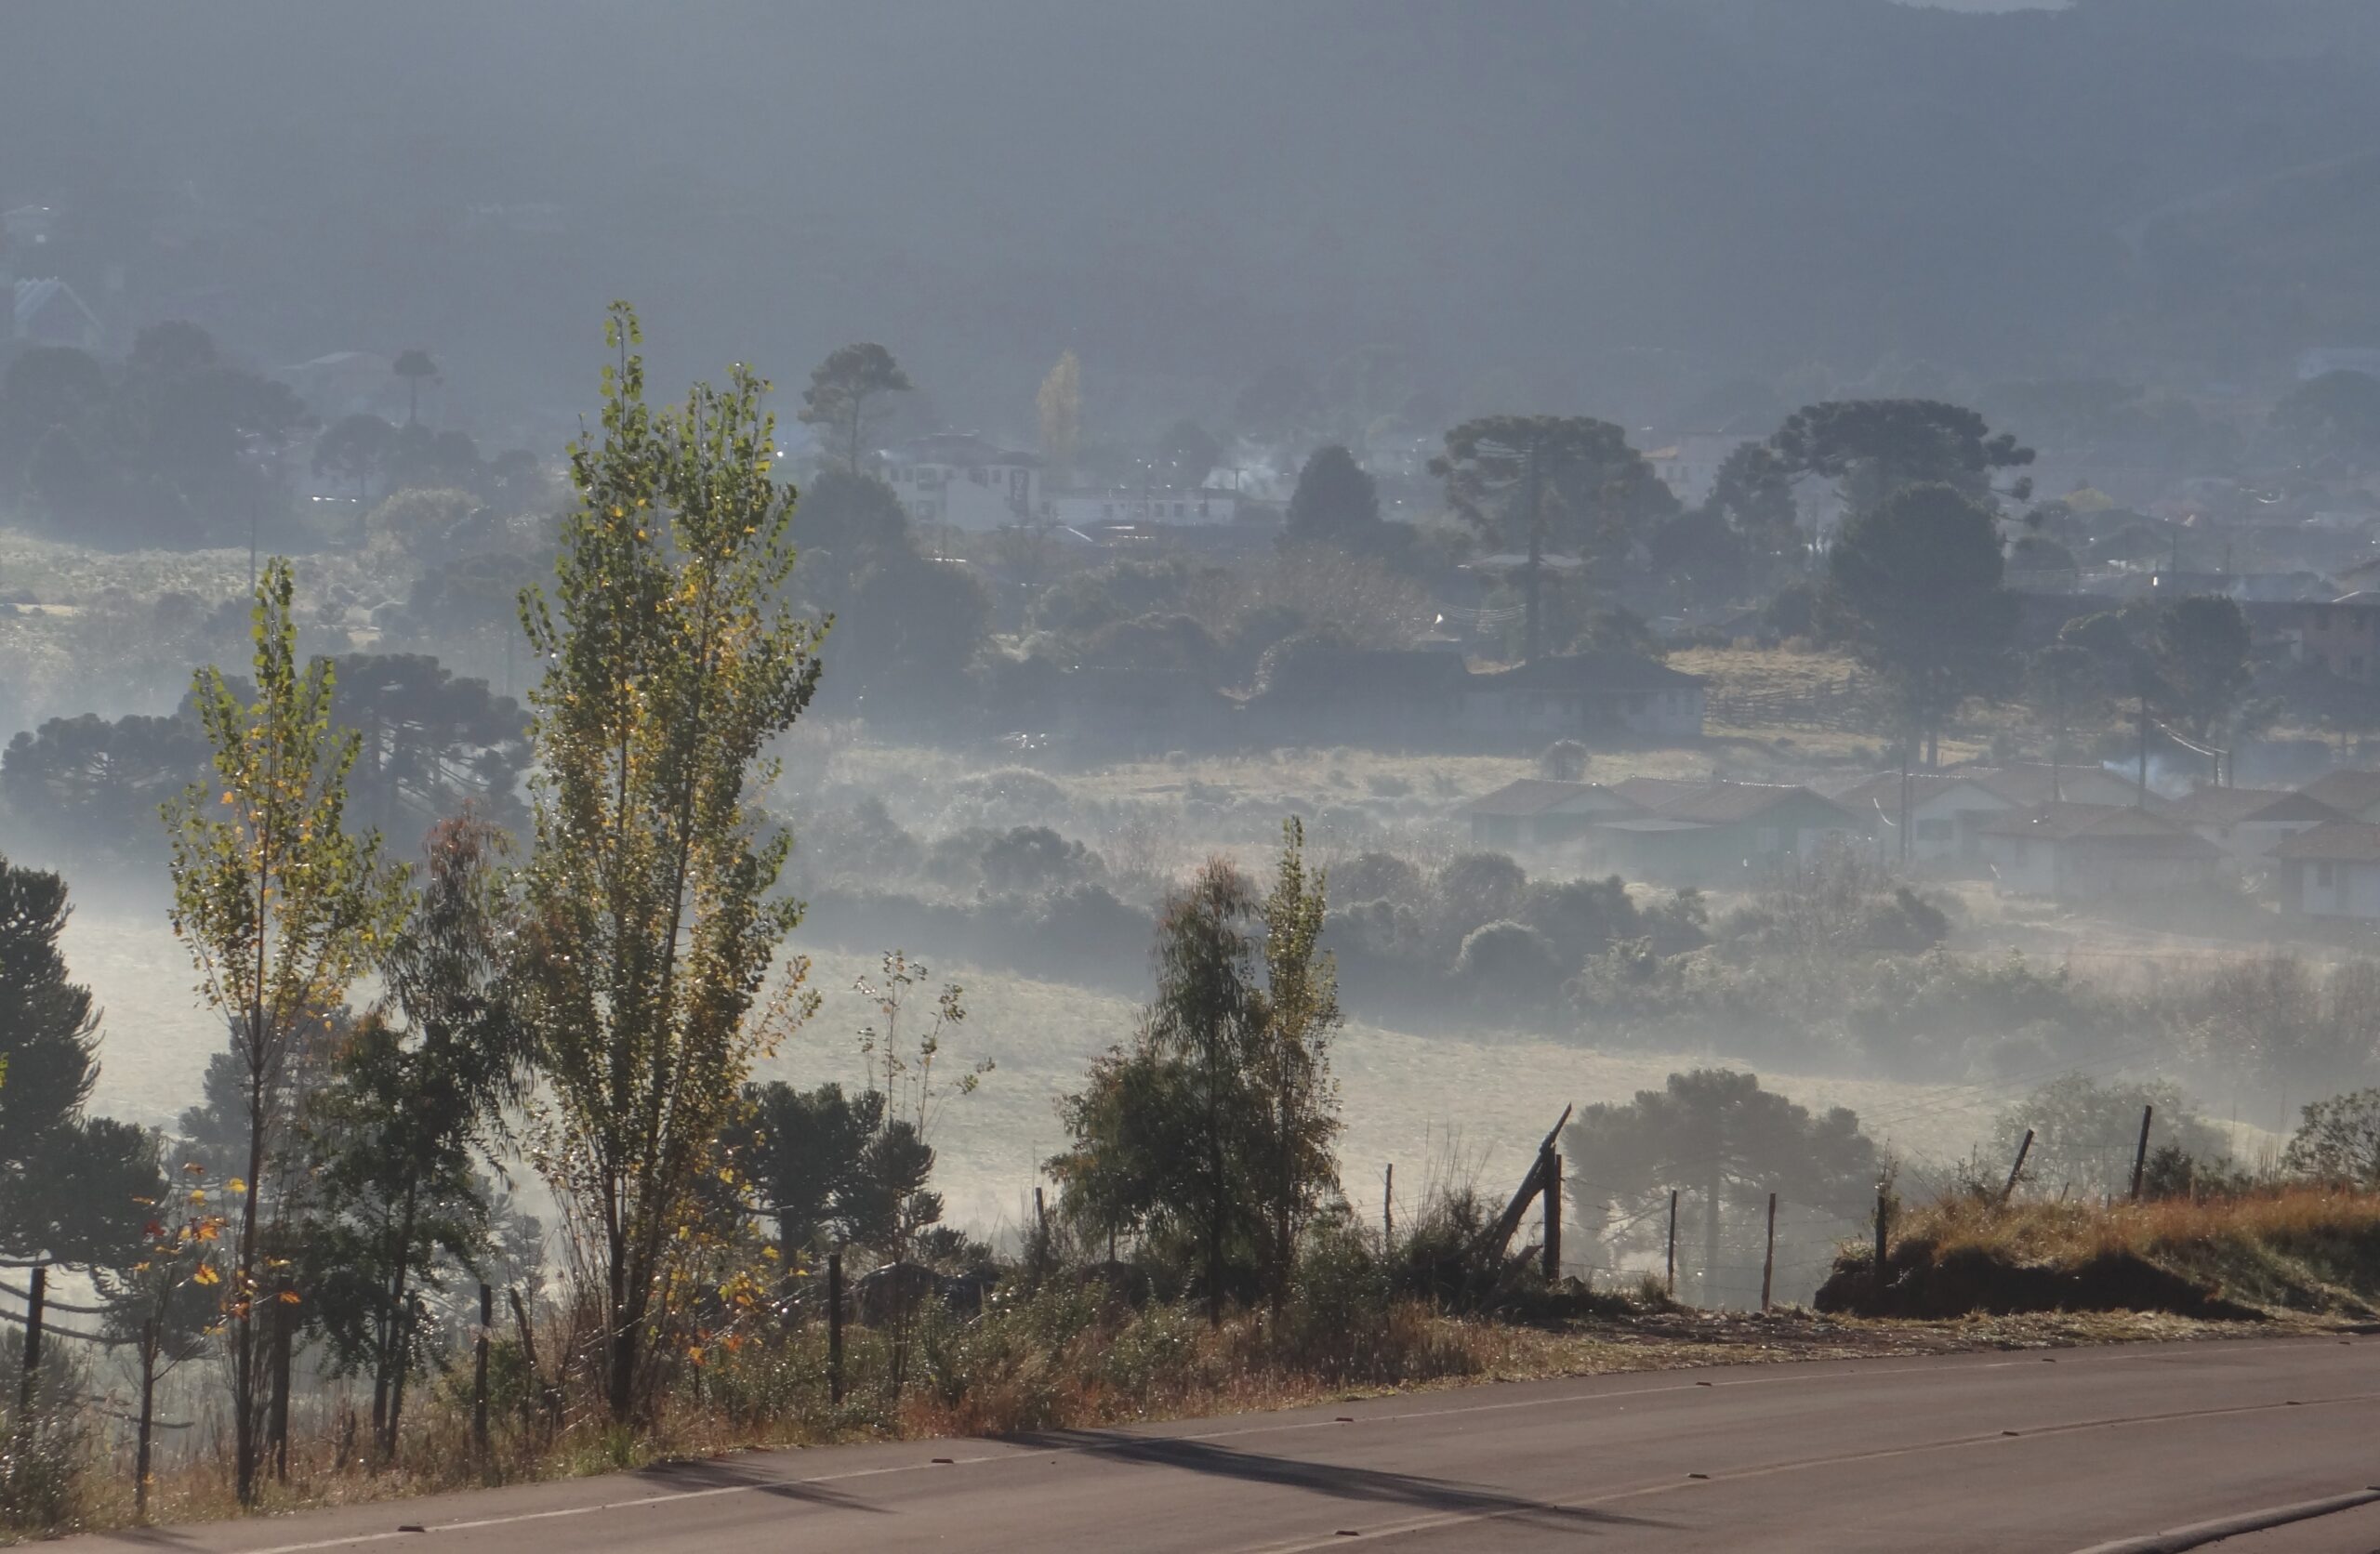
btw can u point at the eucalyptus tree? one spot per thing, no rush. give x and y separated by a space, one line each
649 924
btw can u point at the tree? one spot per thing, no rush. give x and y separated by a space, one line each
1872 448
164 1306
1188 454
355 447
1167 1135
841 398
650 928
1293 1061
1529 482
413 1094
429 744
1913 586
2339 1141
1059 404
94 787
805 1155
413 366
279 906
72 1187
1753 495
845 524
2064 685
2202 650
2333 417
2084 1131
1336 503
1718 1131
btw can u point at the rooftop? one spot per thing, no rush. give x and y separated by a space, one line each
1714 802
1535 796
2337 841
2121 827
2233 806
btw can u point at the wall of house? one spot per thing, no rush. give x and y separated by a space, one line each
2334 890
976 500
2021 866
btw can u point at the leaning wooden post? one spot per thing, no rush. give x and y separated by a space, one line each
2140 1152
2017 1169
835 1328
36 1295
479 1370
1669 1280
1768 1259
1552 1219
1388 1207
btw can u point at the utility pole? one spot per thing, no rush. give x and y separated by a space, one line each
1768 1259
1670 1279
1388 1207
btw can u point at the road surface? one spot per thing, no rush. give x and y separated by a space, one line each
2057 1451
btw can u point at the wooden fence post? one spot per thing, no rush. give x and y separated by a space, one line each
36 1295
478 1370
835 1328
1768 1259
2017 1169
1388 1207
2140 1154
1670 1279
1883 1209
1552 1219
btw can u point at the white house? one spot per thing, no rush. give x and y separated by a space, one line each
1588 695
1088 510
1945 812
48 313
2247 823
2331 871
1536 812
960 480
2086 851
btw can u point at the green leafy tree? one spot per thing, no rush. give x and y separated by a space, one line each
1717 1131
355 448
1336 503
1913 584
409 1104
2335 416
844 398
164 1306
1871 449
70 1185
1301 1008
2201 648
1530 483
671 665
1168 1132
2339 1141
846 524
279 907
415 366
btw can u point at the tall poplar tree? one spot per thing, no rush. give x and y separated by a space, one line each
280 908
671 662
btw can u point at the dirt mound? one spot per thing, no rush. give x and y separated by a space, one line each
1923 1282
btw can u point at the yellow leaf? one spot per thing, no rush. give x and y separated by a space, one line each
206 1274
235 1187
290 1297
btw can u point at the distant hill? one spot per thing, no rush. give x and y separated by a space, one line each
1604 203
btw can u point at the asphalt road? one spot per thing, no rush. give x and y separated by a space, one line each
1987 1451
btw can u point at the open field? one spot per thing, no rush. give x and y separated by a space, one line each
1440 1106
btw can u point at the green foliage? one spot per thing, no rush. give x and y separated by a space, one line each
278 904
1913 584
356 448
841 400
671 665
2201 648
2085 1131
1872 449
2339 1139
1336 502
407 1105
73 1188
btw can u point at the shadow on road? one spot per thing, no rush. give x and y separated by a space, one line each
1362 1484
704 1474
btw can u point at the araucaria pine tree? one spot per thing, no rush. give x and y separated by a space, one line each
280 908
671 662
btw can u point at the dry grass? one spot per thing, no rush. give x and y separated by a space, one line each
2072 1232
